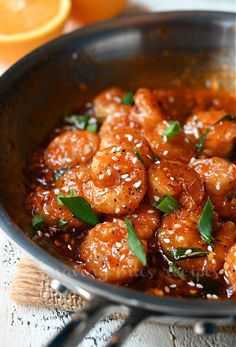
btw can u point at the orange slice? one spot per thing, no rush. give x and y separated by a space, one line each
26 24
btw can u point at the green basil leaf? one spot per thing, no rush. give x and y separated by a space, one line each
205 222
156 156
177 271
78 121
71 194
227 117
62 223
201 142
186 253
167 204
135 244
59 173
173 129
38 222
139 155
92 125
81 209
128 98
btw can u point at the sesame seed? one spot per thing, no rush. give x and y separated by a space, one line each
134 215
117 137
116 168
189 251
172 285
56 191
167 289
209 248
156 197
134 160
114 158
198 285
114 220
119 148
129 137
101 176
137 184
172 178
217 186
128 179
180 238
165 152
124 175
109 172
191 284
171 232
117 210
164 139
150 211
166 240
177 226
139 145
213 261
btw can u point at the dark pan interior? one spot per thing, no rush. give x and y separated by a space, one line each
156 51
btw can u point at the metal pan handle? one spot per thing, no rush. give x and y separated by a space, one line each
84 320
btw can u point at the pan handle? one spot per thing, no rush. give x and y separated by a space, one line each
82 322
136 316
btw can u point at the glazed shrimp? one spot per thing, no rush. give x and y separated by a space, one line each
219 177
109 102
220 138
71 148
115 122
179 230
230 267
106 254
132 138
177 148
45 203
146 111
73 180
118 181
146 220
169 177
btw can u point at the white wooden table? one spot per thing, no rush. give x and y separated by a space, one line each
33 327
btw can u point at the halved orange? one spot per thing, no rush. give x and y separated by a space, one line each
26 24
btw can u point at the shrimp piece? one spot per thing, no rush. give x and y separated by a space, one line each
71 148
219 177
177 179
146 111
176 148
220 138
106 254
73 180
132 138
179 230
109 102
114 122
230 267
45 203
146 220
118 181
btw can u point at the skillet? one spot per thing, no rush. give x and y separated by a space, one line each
151 50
